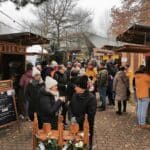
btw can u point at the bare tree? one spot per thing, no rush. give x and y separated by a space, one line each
56 17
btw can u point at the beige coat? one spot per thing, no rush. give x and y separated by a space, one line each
120 84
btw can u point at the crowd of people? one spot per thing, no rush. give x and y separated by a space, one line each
71 90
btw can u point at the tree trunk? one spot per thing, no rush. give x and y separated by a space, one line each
58 36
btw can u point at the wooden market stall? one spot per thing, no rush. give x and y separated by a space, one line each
12 66
135 54
13 52
115 55
101 54
139 54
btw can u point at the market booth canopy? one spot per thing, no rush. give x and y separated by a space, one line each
134 49
24 38
137 34
110 47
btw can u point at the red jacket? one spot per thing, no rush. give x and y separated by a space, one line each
25 79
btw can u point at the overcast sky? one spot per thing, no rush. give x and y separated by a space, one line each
100 8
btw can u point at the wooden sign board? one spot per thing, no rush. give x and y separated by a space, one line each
8 109
11 48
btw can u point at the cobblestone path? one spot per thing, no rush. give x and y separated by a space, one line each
112 132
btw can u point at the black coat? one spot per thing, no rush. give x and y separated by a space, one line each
62 82
48 109
32 96
82 104
71 87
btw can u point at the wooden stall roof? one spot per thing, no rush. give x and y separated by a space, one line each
27 53
110 47
100 50
75 51
134 49
24 38
137 34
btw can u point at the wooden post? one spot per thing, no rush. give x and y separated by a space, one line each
60 131
74 129
86 130
46 128
18 124
35 130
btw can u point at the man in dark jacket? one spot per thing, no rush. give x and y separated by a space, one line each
102 85
49 103
83 102
61 78
32 92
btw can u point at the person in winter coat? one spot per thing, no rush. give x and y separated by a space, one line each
24 81
50 103
32 92
54 66
68 71
61 78
71 84
142 86
83 102
91 71
26 77
102 85
120 86
110 93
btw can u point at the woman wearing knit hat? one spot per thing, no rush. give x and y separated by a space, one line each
83 102
32 92
49 103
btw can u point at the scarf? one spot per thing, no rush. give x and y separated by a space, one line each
54 93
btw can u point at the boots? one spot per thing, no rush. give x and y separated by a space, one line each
119 112
124 106
119 108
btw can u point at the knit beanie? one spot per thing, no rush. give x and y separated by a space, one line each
35 71
54 64
82 82
50 82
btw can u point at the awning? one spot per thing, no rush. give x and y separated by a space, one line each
99 50
22 53
24 38
137 34
134 49
110 47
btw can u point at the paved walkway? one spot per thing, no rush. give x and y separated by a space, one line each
112 132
